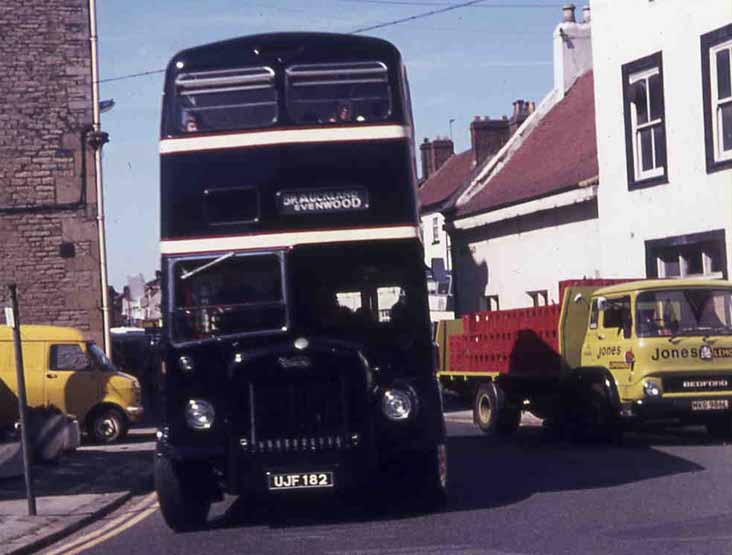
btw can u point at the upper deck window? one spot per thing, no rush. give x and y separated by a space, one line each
226 99
339 93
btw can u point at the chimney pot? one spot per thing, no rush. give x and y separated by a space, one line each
568 10
586 14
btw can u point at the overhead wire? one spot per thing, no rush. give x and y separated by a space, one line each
446 7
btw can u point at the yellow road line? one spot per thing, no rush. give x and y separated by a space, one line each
129 524
148 506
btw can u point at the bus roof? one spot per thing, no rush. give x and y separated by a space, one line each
41 333
656 284
286 47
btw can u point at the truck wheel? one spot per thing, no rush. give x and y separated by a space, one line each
485 407
591 418
106 425
720 428
182 495
508 421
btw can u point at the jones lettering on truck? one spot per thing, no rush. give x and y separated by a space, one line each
609 351
691 352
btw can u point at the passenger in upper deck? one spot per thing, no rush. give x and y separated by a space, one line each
344 113
190 124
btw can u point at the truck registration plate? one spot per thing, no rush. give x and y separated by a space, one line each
299 480
710 404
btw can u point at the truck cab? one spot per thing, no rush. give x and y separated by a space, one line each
667 345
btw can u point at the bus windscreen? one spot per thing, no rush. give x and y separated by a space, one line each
228 295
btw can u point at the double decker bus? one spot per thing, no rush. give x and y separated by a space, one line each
297 344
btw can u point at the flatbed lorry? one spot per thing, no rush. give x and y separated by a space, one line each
610 352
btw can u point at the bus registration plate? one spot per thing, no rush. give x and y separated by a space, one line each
299 480
710 404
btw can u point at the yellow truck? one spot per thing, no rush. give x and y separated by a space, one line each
65 371
606 355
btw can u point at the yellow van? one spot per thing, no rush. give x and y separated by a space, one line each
65 371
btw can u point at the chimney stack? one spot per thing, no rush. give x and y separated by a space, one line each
568 10
572 48
435 154
586 14
426 149
487 136
521 110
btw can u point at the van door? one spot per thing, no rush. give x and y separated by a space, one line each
72 382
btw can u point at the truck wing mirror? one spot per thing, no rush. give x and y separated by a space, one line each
578 298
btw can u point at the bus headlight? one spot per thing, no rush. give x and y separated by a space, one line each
199 414
186 364
397 404
652 387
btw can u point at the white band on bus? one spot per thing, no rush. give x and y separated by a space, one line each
285 240
285 136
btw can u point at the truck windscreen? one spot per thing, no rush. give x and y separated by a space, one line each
693 311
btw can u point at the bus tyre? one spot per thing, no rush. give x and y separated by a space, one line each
720 428
431 478
508 420
106 425
182 495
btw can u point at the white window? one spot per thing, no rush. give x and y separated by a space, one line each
435 230
646 119
720 66
702 260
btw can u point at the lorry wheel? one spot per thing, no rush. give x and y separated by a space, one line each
720 428
107 425
508 420
591 419
181 490
485 407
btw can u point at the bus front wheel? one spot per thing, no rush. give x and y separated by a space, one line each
181 490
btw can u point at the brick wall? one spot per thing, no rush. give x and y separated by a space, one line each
47 194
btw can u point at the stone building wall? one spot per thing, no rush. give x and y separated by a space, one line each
48 228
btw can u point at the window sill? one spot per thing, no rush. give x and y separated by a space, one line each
714 166
649 182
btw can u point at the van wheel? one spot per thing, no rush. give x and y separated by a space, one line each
181 489
107 425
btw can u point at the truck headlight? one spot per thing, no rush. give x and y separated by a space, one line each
397 404
652 387
199 414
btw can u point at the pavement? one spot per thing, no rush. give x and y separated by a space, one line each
77 490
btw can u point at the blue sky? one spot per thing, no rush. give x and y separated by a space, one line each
466 62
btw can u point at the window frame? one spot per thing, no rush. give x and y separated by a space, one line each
681 242
435 230
633 72
711 43
53 358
